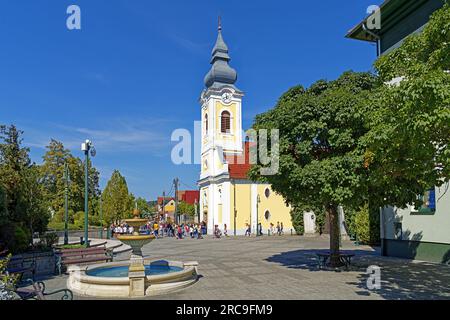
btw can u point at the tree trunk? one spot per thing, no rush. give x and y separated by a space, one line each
333 217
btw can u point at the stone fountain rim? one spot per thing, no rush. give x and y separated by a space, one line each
133 237
85 278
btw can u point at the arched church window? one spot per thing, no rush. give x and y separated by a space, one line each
206 123
225 122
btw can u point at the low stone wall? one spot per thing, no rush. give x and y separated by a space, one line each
45 262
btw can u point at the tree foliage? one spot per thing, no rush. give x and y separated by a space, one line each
321 161
116 200
22 207
186 208
409 140
144 207
52 171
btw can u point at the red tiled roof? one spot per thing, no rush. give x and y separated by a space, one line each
238 166
191 196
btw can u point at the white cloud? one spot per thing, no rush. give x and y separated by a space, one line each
109 136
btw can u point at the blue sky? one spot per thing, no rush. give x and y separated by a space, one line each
134 73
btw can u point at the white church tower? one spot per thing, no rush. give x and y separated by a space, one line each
221 114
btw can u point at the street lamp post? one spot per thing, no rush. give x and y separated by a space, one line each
86 147
66 204
101 219
258 200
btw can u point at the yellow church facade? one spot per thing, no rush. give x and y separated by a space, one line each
227 197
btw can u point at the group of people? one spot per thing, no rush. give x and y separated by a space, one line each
161 229
271 231
279 229
192 230
121 229
218 232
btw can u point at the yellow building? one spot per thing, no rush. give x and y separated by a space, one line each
227 196
170 206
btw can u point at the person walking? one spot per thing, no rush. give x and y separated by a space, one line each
278 228
180 232
248 231
217 232
281 228
225 231
156 229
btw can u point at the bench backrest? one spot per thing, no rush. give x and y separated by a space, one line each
67 254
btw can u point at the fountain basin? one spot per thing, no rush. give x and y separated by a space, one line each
123 271
110 280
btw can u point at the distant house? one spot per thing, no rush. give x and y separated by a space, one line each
189 196
414 233
166 204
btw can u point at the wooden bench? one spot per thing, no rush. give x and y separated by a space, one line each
36 291
344 258
66 257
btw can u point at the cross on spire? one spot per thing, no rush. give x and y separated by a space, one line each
220 73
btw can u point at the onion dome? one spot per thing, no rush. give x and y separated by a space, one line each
221 73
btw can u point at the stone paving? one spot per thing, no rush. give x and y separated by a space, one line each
272 268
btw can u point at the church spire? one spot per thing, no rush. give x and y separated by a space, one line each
221 72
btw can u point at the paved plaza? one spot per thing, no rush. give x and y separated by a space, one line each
271 268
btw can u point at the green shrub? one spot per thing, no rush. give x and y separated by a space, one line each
22 239
59 226
94 220
297 220
50 239
7 281
320 219
78 220
349 218
361 225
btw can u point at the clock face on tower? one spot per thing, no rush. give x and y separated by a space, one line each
226 97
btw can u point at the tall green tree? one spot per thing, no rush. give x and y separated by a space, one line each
321 160
23 208
116 200
14 160
409 141
33 200
3 207
52 171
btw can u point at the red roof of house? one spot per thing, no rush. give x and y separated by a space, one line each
238 166
167 199
191 196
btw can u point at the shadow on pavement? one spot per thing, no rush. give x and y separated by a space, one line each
400 278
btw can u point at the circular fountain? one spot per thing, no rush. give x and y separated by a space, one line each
137 277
